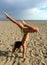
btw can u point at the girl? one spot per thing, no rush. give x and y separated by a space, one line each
26 29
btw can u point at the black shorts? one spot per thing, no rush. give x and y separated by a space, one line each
17 44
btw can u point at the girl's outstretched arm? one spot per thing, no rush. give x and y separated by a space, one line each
14 21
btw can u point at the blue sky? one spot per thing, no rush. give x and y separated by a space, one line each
24 9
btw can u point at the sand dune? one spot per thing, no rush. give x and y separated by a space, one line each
36 46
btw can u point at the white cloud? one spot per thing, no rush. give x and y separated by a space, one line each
34 14
42 4
34 11
13 2
10 2
26 9
27 4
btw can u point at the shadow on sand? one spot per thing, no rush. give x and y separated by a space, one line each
9 57
6 55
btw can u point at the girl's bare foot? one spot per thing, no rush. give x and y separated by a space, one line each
23 22
6 15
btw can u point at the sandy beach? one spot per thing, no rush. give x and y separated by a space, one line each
36 53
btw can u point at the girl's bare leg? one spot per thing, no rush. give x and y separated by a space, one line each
31 28
14 21
21 25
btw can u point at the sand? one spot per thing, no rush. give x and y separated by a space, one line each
36 53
